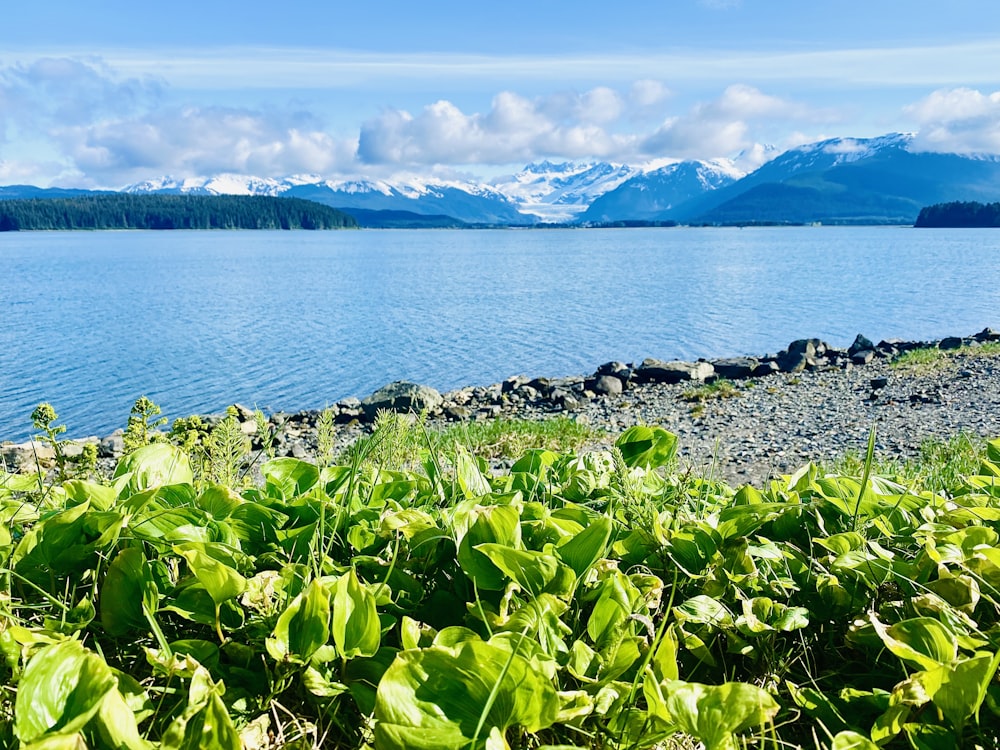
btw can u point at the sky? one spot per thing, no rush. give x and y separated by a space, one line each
108 93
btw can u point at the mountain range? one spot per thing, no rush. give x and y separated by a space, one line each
884 180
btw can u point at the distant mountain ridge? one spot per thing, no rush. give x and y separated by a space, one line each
883 180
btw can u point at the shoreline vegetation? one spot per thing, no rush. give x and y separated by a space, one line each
409 591
741 418
118 211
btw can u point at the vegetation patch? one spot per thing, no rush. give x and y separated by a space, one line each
579 600
931 358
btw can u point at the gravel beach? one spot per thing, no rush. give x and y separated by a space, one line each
808 402
777 423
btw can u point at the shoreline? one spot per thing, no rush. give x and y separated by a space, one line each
808 402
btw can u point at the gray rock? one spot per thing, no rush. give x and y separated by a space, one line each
21 456
457 413
863 356
607 385
513 383
112 446
735 368
793 361
657 371
808 347
402 396
860 344
987 334
767 367
951 342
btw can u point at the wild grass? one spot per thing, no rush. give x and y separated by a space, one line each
401 439
940 465
931 359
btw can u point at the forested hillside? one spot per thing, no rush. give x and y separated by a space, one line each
960 214
125 211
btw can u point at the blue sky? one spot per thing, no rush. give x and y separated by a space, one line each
106 93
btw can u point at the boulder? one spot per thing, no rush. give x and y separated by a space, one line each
863 356
808 347
860 344
951 342
607 385
735 368
767 367
794 361
987 334
657 371
402 396
113 445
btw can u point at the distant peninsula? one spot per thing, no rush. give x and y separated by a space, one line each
128 211
959 214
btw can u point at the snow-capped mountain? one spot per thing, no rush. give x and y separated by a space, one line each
561 192
651 196
470 203
838 180
849 180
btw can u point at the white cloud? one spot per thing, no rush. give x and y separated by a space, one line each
200 141
59 90
515 129
960 120
724 126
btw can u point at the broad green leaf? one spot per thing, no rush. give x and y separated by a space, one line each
289 477
612 609
438 698
923 641
302 627
500 524
99 496
355 624
648 447
704 609
959 689
993 450
125 586
218 501
587 547
470 479
62 688
535 572
116 724
219 576
714 713
154 465
205 722
849 740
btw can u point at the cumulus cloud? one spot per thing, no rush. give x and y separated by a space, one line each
201 141
515 129
961 120
50 91
723 126
569 125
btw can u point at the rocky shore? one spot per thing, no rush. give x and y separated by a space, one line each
809 401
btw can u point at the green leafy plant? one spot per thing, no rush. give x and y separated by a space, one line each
581 599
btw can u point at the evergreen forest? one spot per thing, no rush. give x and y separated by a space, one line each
126 211
960 214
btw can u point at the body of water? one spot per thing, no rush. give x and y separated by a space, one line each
288 321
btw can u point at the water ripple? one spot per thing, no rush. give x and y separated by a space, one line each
299 320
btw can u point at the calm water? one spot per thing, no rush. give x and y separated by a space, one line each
298 320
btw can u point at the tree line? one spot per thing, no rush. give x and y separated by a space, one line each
128 211
960 214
